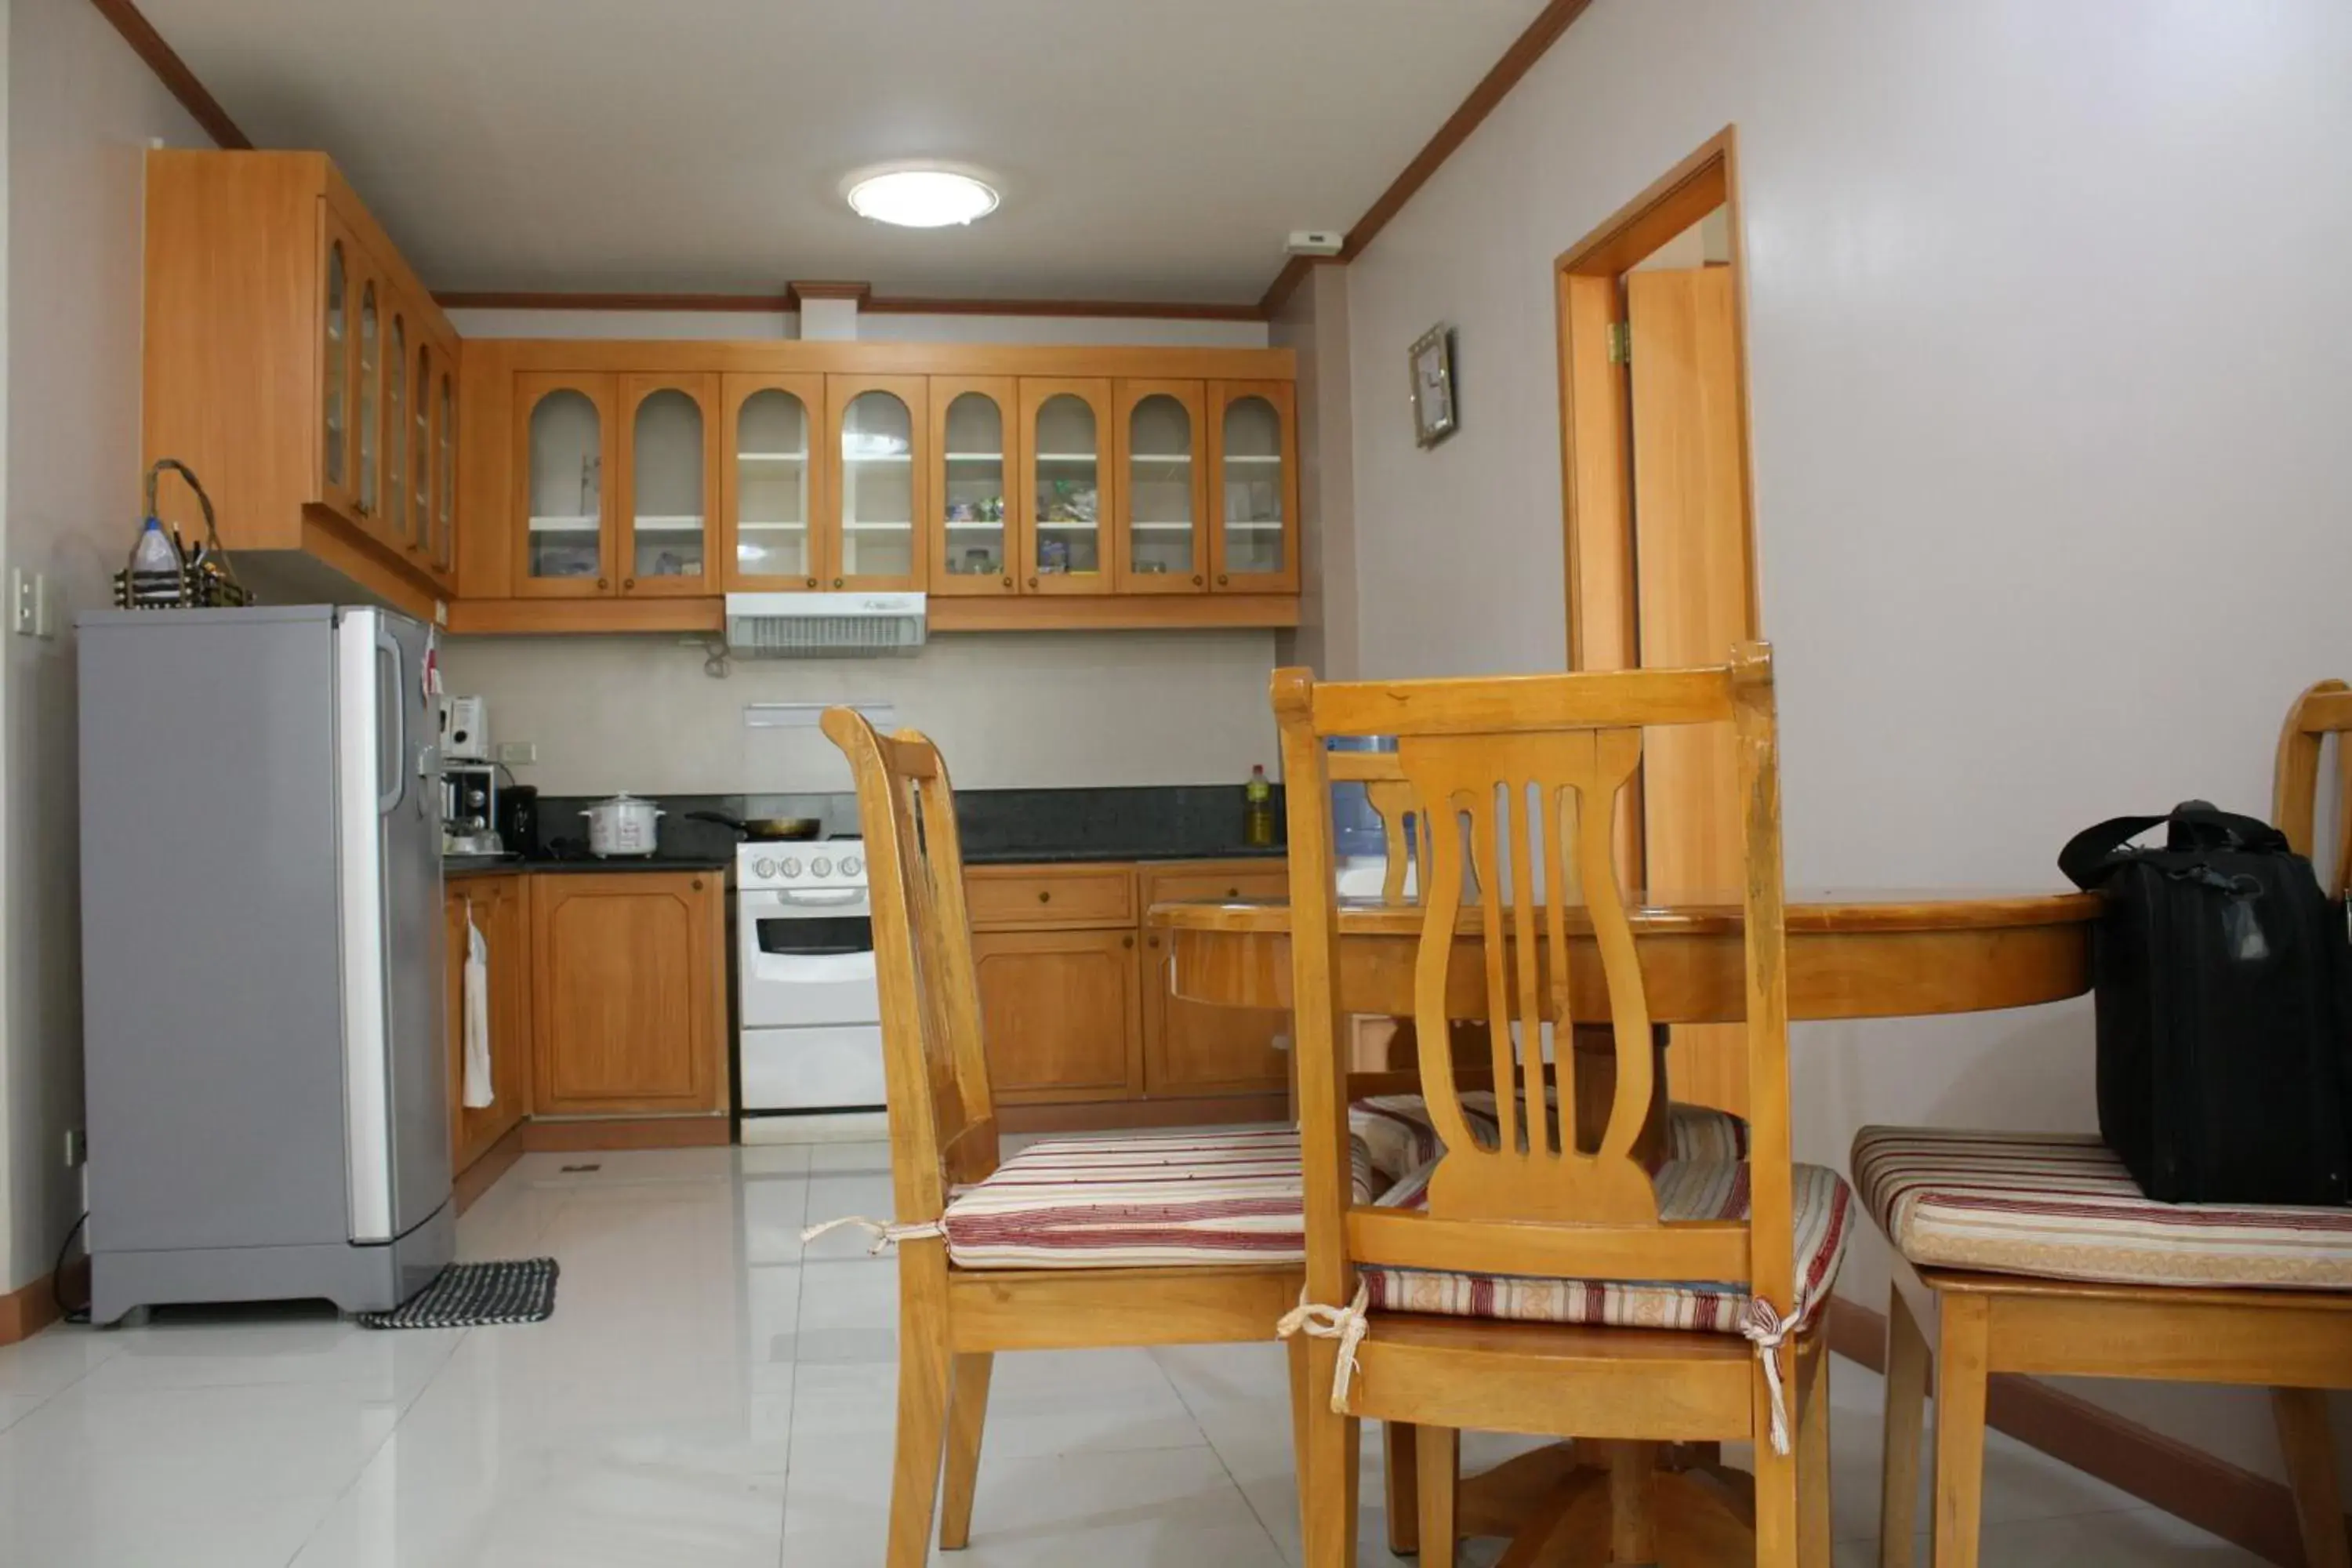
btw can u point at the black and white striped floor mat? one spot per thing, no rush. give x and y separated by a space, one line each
470 1295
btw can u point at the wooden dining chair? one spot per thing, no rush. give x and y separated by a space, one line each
1529 1277
1160 1238
2038 1254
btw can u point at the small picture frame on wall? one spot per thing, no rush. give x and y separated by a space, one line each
1431 362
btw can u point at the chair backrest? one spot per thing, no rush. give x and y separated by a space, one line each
1519 778
943 1120
1391 800
2323 710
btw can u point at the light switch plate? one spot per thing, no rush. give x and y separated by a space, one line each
25 596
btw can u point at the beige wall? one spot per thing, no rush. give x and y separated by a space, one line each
81 108
2048 461
1313 323
1009 711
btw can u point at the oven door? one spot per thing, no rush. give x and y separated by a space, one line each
805 958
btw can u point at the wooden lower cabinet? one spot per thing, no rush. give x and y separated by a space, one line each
629 1005
1058 1015
499 907
1074 987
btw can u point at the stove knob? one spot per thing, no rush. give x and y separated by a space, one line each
851 866
763 868
790 868
823 868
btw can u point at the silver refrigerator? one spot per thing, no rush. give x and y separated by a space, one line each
262 952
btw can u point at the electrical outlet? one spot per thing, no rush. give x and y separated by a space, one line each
518 754
24 596
77 1148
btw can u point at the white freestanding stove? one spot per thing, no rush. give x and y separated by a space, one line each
810 1032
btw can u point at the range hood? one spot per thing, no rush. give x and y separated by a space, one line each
824 625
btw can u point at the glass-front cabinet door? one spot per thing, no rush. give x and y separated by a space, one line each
972 533
420 453
1253 486
395 425
336 314
669 477
771 480
879 480
367 405
1067 544
565 440
444 462
1163 512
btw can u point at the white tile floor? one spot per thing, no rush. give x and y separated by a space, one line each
710 1393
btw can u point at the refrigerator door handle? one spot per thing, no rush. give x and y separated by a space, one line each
393 706
361 640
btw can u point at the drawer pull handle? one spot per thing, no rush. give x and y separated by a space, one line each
1232 892
1127 941
1044 897
698 884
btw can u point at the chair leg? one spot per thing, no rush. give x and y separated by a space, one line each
2310 1449
1299 1411
1777 1504
1437 1479
1906 1405
1400 1486
922 1400
1632 1503
1963 1366
1813 1529
1328 1481
967 1411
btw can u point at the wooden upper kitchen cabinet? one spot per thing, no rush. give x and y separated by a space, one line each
629 993
282 332
772 488
1067 481
1162 515
973 530
1190 1047
499 906
878 480
1253 486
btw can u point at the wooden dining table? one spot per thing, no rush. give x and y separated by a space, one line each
1852 953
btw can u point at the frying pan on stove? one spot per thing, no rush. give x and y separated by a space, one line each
764 829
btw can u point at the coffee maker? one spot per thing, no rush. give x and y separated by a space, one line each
470 809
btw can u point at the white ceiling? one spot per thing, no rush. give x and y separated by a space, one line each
1147 149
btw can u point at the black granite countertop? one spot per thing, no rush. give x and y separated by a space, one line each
496 865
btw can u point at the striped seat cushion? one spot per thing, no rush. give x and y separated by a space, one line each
2063 1206
1158 1198
1704 1177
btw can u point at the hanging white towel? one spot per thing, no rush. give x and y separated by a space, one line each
477 1092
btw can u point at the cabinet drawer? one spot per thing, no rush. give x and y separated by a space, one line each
1196 883
1067 897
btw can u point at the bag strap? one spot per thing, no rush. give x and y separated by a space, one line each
2094 853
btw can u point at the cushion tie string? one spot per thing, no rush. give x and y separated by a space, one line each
1767 1331
884 1235
1347 1324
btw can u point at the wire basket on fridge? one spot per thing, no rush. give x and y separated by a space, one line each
201 579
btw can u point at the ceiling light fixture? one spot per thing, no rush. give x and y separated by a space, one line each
922 198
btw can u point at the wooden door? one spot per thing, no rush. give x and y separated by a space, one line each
1058 1015
772 497
626 973
1253 486
1190 1047
1163 520
1068 479
668 485
878 481
338 266
972 529
496 907
564 443
1692 603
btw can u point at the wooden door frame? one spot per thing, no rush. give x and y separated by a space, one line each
1596 452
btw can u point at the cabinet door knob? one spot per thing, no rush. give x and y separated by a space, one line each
1198 579
1044 897
1220 579
812 582
1008 581
1127 941
627 583
1154 940
836 582
1232 892
698 884
600 583
1032 582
